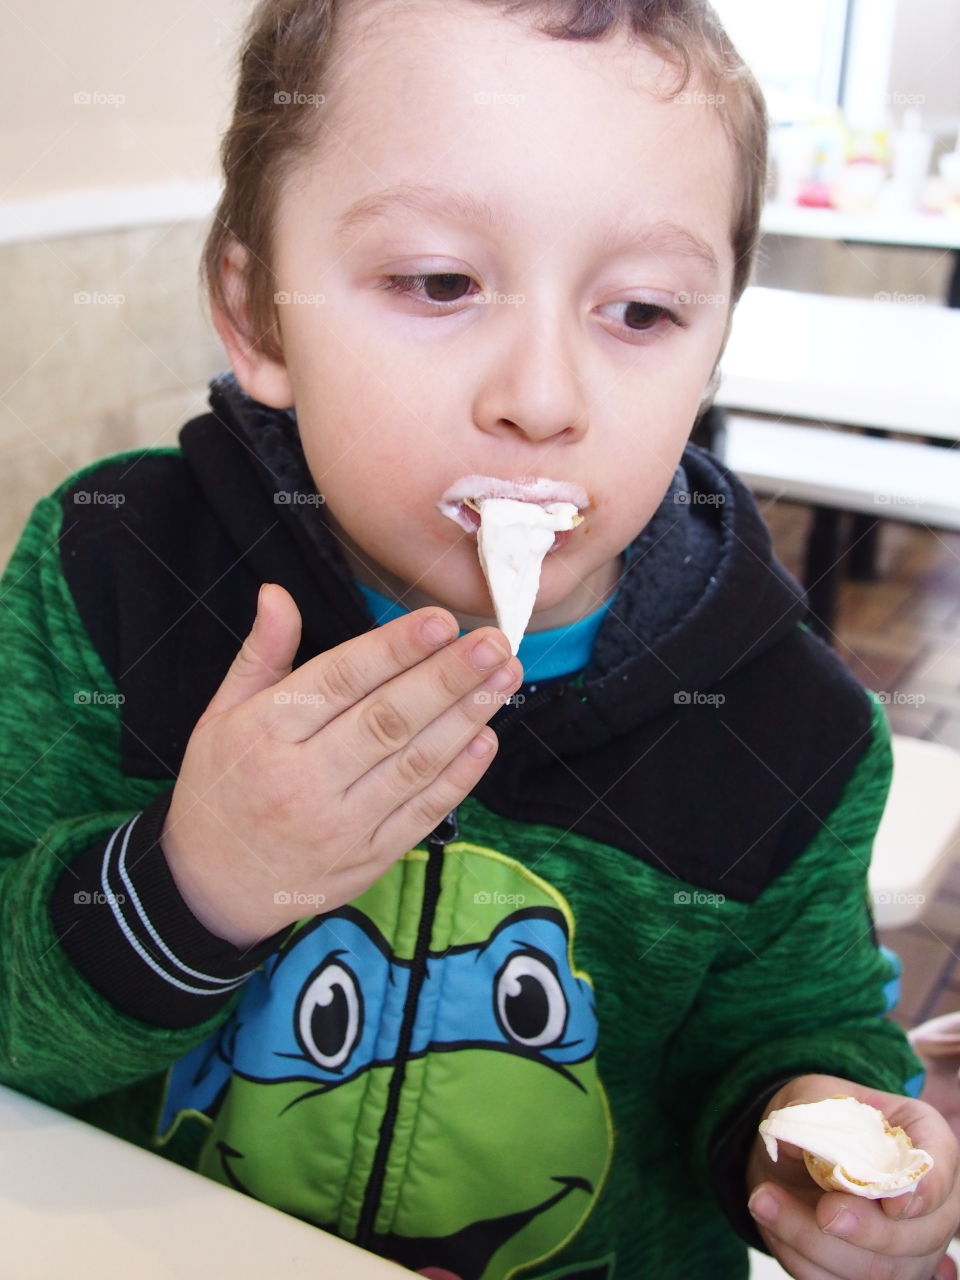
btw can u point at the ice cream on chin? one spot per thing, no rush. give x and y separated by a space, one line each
518 525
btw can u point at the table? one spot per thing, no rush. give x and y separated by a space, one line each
909 230
884 365
75 1201
896 230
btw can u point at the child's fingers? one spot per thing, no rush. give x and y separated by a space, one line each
266 654
846 1234
339 679
408 730
411 822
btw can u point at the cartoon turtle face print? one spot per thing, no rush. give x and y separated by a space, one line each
437 1103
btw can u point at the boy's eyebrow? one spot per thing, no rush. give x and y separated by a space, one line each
660 237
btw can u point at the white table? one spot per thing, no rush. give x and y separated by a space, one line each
889 365
911 230
75 1201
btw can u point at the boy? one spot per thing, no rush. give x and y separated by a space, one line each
541 1044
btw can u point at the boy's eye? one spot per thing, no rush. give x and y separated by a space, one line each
644 315
445 287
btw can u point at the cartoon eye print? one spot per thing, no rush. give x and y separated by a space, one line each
329 1015
530 1003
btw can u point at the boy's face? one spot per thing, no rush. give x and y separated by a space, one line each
611 210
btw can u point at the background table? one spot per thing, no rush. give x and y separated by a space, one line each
77 1202
882 365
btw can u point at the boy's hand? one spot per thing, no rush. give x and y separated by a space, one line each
299 789
822 1235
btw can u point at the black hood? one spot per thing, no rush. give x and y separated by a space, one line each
700 593
709 734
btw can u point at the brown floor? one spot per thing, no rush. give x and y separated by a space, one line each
900 635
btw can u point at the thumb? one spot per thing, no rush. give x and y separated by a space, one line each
267 653
947 1270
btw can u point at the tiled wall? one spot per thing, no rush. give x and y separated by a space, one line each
104 347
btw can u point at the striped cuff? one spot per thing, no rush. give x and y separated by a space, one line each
120 918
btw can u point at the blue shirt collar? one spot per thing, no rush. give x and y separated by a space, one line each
558 651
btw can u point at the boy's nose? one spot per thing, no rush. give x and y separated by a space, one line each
533 387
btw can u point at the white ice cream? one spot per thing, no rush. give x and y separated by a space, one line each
512 540
848 1146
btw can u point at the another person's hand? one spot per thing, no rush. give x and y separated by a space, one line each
301 788
832 1235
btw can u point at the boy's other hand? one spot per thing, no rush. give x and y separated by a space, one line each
832 1235
301 788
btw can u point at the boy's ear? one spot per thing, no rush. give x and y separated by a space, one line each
261 376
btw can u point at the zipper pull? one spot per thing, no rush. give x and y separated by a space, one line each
446 830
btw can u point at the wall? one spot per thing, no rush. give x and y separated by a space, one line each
157 76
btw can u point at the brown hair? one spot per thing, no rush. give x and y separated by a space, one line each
285 59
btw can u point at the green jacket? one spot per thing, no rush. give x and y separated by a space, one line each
540 1044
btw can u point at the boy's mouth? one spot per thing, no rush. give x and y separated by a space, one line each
461 502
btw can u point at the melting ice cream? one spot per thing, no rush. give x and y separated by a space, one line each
512 541
848 1146
516 522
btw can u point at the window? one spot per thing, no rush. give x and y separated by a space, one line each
795 48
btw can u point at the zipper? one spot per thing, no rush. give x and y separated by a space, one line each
444 832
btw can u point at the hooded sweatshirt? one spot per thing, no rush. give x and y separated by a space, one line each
540 1044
